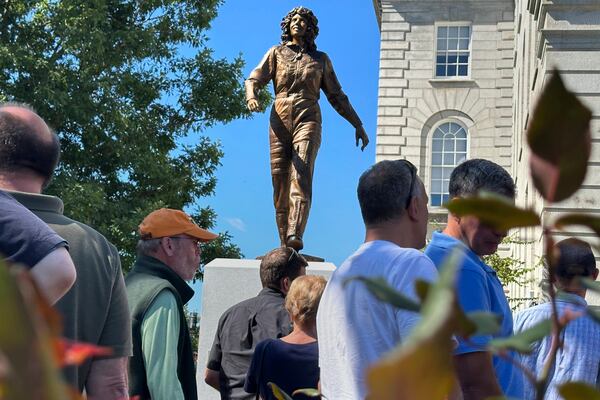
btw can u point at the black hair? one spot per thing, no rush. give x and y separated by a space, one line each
575 259
477 174
22 148
383 191
280 263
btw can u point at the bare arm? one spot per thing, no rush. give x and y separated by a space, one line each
54 274
476 375
108 379
211 378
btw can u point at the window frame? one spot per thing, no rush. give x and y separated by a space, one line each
455 77
433 130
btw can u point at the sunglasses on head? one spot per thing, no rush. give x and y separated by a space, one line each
413 178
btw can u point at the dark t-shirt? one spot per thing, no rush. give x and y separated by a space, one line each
290 366
240 329
24 238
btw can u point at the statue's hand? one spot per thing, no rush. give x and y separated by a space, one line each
253 105
362 135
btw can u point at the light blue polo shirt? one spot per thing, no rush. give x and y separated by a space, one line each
479 289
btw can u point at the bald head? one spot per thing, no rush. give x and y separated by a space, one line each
27 145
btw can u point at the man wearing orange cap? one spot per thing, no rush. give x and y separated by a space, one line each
162 366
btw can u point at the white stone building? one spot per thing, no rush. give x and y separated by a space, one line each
458 79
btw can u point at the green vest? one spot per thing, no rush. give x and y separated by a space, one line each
145 281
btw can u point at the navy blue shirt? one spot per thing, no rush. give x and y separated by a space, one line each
290 366
24 238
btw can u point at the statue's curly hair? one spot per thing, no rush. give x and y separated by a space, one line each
312 28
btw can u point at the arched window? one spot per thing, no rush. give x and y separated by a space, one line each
448 149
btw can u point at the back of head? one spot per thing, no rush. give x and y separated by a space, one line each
280 263
478 174
575 259
26 146
302 301
383 191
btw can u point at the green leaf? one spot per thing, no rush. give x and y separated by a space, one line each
27 340
486 323
494 211
522 341
560 141
384 292
427 352
308 393
590 284
594 313
277 392
579 219
578 391
422 289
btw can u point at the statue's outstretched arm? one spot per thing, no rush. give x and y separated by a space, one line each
339 101
258 78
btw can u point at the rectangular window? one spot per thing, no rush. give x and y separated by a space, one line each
453 51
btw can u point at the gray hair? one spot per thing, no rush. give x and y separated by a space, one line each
383 191
147 247
478 174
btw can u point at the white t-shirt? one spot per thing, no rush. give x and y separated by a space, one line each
354 328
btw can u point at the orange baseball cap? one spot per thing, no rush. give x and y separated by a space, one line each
168 222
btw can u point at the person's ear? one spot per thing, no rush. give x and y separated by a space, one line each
284 284
595 274
167 245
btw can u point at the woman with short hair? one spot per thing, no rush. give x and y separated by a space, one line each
291 362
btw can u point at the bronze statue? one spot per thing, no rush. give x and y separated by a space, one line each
298 72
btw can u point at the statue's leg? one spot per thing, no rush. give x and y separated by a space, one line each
306 143
280 140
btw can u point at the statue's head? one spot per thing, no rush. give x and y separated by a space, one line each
312 29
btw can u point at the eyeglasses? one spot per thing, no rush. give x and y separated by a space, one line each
293 254
413 178
197 242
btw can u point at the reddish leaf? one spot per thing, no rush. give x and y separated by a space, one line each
560 141
74 353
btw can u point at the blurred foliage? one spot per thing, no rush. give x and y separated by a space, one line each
128 86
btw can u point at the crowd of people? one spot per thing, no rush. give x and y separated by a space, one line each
299 331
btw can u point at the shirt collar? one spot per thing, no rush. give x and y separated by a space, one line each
38 202
448 242
571 298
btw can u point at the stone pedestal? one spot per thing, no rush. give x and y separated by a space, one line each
227 282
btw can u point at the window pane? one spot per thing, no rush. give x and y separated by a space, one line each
452 58
453 31
441 44
461 145
446 172
442 32
436 200
449 145
448 158
445 186
451 70
463 58
445 198
436 186
436 159
436 145
463 70
464 31
444 127
452 44
463 44
460 158
436 173
440 70
441 58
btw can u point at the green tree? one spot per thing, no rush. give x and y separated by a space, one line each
128 86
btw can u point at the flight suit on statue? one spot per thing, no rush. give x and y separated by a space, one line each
295 128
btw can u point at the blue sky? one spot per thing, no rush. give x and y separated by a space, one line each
243 198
